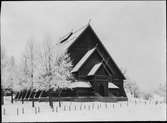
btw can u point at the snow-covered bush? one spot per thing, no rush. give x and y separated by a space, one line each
160 93
132 88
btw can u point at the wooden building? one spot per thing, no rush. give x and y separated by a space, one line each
93 68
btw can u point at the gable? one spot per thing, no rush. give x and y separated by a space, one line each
86 40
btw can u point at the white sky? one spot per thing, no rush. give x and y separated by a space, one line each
133 32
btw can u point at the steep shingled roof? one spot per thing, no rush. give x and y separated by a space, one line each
67 40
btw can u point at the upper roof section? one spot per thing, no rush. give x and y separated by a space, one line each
68 40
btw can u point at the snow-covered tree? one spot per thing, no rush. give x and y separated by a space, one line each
12 76
54 67
130 85
160 92
24 74
4 62
9 73
132 88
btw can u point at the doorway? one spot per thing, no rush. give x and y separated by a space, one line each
101 90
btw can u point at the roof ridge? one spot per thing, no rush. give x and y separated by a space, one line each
70 33
80 28
65 35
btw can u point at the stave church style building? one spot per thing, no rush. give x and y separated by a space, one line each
95 71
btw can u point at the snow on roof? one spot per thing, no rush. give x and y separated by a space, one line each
94 69
83 59
111 85
67 40
81 84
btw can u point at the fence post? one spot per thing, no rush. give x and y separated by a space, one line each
56 109
70 108
35 110
80 107
4 111
106 105
17 111
84 106
22 110
38 109
64 108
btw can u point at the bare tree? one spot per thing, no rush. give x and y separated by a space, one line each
29 64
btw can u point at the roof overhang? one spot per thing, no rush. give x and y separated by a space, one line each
80 84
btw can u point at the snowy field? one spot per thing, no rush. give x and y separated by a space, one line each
138 110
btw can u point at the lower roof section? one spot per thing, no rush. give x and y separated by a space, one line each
94 69
86 84
80 84
82 61
111 85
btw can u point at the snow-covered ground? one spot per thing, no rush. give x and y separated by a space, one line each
138 110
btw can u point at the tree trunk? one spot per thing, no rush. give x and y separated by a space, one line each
59 98
59 102
22 100
33 103
50 100
12 97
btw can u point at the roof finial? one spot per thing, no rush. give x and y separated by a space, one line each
89 21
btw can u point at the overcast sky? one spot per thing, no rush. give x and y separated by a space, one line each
133 32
